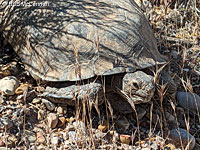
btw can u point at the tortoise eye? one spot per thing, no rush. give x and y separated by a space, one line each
135 85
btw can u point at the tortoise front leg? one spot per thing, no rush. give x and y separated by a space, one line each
69 95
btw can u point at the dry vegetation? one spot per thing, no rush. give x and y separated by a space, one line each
176 24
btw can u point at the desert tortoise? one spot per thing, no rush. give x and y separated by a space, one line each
77 43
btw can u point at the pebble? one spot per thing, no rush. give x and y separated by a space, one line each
36 100
185 136
122 123
61 121
50 106
79 124
21 89
55 140
31 136
60 110
8 85
9 112
1 142
170 117
52 120
174 54
5 123
125 139
102 128
190 101
72 135
40 137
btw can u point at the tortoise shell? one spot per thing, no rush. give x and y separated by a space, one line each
79 39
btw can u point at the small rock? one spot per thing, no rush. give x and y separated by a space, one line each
71 119
31 136
50 106
190 101
72 135
36 100
99 135
125 139
5 123
170 147
54 140
184 135
79 125
102 128
61 121
8 85
1 142
9 112
52 120
186 69
21 89
174 54
40 137
122 122
170 117
60 110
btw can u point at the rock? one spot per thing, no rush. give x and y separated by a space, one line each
190 101
8 85
52 120
5 123
60 110
184 135
21 89
72 135
174 54
36 100
79 125
31 136
1 142
40 137
61 121
55 140
102 128
170 146
170 117
122 123
50 106
125 139
9 112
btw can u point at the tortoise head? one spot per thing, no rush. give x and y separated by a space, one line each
138 87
